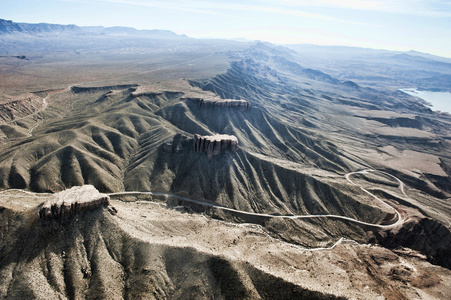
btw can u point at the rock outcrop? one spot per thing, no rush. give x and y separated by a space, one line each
93 89
71 201
425 235
213 144
240 104
176 145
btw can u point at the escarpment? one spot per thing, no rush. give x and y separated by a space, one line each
425 235
71 201
240 104
93 89
176 145
213 144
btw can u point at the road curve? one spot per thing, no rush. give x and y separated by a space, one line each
398 221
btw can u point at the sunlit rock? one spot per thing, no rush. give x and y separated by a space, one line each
213 144
71 201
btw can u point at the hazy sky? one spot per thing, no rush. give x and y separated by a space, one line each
422 25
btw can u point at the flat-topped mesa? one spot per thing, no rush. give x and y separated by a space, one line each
93 89
135 94
240 104
213 144
151 91
71 201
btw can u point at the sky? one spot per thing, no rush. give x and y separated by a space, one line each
403 25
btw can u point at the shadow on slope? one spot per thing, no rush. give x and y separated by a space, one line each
91 145
88 255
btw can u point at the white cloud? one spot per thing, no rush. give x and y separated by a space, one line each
438 8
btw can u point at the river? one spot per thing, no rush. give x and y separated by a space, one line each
439 100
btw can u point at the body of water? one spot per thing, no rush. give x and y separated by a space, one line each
439 100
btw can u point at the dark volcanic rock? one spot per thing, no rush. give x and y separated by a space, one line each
76 199
213 144
241 104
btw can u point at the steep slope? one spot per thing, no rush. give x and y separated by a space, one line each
123 139
300 136
327 108
91 255
297 199
84 147
144 250
113 136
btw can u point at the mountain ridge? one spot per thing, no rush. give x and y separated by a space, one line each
9 27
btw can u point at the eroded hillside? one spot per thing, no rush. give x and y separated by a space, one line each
144 250
265 141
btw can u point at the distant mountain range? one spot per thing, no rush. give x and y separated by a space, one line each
8 27
23 38
333 64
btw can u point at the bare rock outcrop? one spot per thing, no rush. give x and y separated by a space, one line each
167 94
213 144
240 104
425 235
176 145
71 201
94 89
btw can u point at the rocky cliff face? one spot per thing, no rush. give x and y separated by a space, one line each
213 144
176 145
241 104
425 235
76 199
93 89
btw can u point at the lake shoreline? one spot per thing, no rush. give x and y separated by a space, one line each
436 100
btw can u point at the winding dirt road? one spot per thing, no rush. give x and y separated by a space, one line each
399 220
